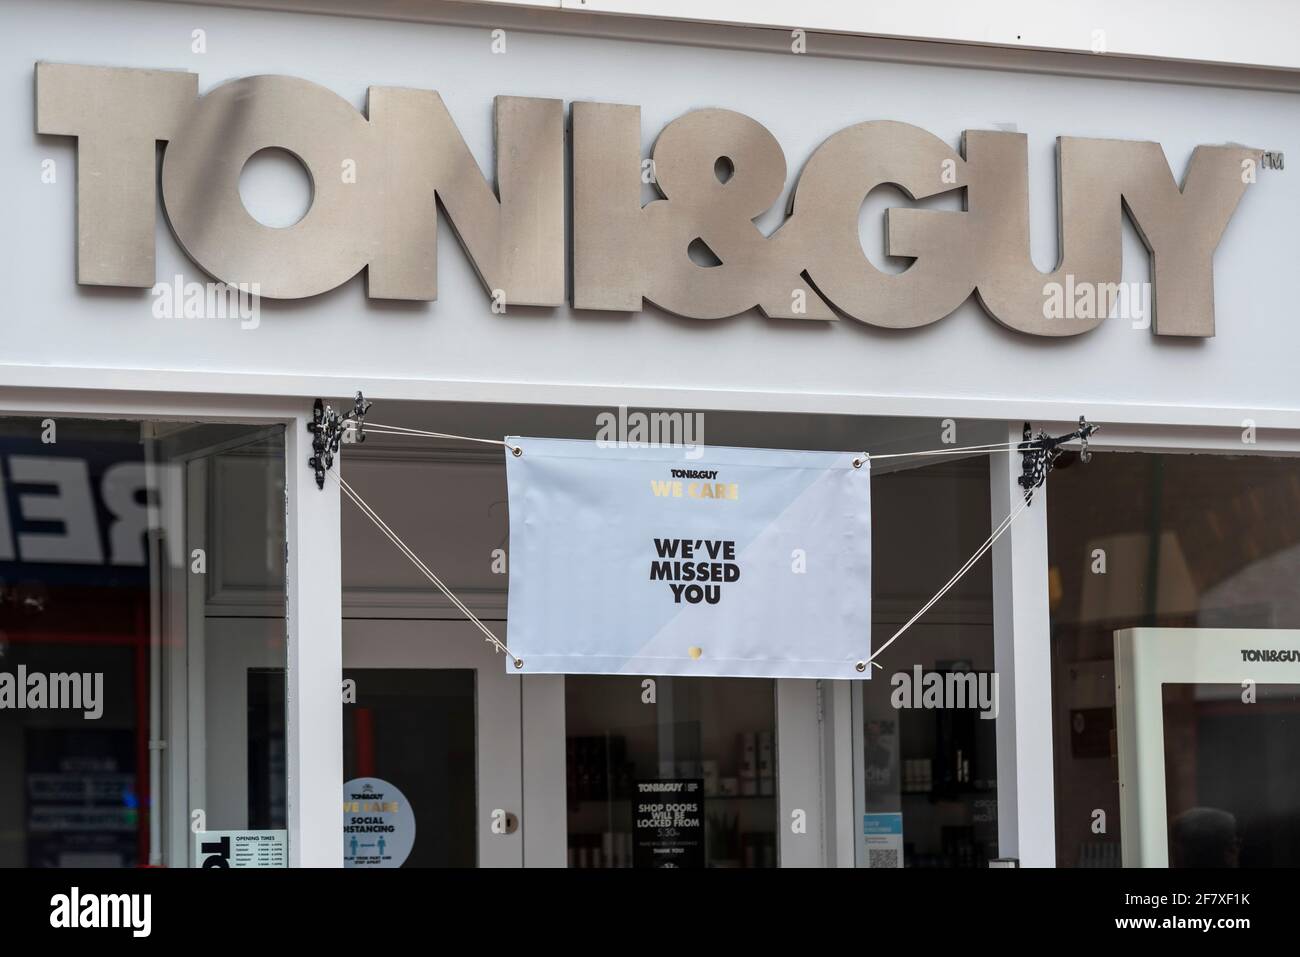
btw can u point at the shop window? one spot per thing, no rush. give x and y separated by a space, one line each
142 639
671 772
927 718
1175 541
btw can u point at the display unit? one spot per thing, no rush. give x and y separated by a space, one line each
1205 722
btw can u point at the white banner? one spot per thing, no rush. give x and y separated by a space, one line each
707 561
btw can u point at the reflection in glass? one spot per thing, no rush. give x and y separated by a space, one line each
929 773
1232 775
141 565
671 772
1163 540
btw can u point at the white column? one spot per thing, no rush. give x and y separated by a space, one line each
840 768
1022 659
544 812
799 774
314 699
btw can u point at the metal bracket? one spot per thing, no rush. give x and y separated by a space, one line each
327 427
1040 452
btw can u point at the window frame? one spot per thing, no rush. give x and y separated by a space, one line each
1031 617
313 589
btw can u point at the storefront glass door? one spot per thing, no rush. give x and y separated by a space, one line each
431 747
671 772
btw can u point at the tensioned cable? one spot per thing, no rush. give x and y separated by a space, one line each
425 570
408 435
989 448
393 537
379 428
970 563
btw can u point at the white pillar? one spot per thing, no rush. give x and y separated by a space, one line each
545 798
1023 660
799 774
315 658
841 767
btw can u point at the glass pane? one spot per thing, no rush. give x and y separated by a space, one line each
267 807
141 603
1232 775
1160 540
414 728
671 772
929 715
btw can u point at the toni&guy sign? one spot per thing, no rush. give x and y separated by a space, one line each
378 179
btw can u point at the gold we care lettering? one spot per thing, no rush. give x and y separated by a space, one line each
406 155
727 491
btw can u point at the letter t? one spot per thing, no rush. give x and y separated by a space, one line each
117 116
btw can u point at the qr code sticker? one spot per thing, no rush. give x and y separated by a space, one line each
883 857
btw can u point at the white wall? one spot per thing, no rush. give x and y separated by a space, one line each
457 349
1257 32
